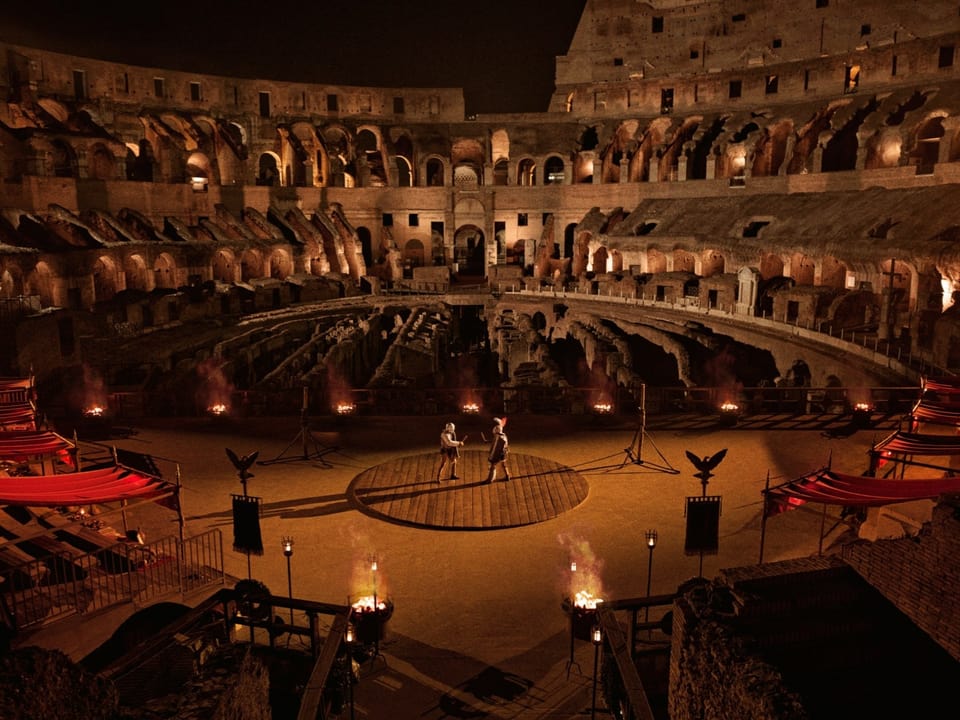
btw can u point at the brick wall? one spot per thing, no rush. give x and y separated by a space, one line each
921 574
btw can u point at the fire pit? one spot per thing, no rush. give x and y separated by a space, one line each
470 408
603 408
729 413
582 609
345 408
94 411
218 409
370 616
861 414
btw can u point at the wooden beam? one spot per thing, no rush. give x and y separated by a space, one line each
617 643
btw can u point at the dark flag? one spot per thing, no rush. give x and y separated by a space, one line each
246 524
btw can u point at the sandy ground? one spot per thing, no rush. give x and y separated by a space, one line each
467 601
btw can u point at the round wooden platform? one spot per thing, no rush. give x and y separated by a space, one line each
405 490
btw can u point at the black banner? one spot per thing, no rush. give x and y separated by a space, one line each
246 525
703 525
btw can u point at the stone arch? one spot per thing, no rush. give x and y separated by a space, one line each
569 236
803 269
684 261
413 253
899 278
435 173
807 139
339 149
104 278
647 142
711 263
371 166
771 266
469 250
526 172
140 161
499 145
281 265
40 282
842 147
616 261
135 273
656 261
554 170
165 271
600 260
101 164
224 268
405 160
501 172
268 170
63 159
11 282
771 149
833 272
467 157
199 170
366 245
669 168
883 149
926 152
251 265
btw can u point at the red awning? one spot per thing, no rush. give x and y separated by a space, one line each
21 445
19 416
82 488
833 488
935 413
907 443
945 384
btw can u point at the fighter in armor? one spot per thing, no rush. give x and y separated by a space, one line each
449 450
499 447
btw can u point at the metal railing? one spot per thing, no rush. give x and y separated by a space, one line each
61 584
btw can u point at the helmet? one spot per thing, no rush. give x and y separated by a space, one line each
449 427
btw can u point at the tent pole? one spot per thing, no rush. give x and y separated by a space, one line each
763 515
76 452
180 548
823 522
123 516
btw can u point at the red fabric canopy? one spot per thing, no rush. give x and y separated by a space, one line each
19 416
82 488
938 413
908 443
946 384
833 488
21 445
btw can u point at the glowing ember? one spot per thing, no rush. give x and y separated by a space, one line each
863 407
365 604
471 408
345 408
602 408
586 599
94 411
217 409
729 407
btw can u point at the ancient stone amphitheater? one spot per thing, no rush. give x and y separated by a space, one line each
770 182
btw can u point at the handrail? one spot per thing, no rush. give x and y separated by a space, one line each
632 685
313 693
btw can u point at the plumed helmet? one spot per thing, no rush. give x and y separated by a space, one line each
449 427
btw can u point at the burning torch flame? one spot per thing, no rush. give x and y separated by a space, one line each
586 599
365 604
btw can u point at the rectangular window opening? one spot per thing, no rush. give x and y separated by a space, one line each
666 101
772 84
195 92
333 103
264 104
413 220
387 220
398 106
522 219
158 88
657 24
946 56
79 84
736 88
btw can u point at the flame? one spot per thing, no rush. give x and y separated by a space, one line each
587 600
365 604
94 411
729 406
217 409
863 407
470 408
602 408
345 408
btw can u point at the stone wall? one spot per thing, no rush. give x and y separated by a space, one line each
920 575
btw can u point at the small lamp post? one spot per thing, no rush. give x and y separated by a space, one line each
597 637
287 544
349 637
651 544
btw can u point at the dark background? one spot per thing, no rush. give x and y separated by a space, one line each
500 52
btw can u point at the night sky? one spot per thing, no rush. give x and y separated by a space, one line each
501 52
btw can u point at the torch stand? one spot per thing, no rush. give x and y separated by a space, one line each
571 662
305 438
635 457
